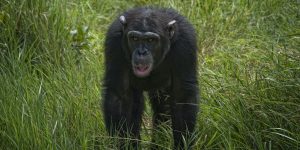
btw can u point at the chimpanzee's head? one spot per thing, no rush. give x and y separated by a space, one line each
146 40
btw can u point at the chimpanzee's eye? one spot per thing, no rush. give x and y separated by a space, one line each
150 39
134 38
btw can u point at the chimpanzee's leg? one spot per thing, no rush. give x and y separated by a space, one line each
123 116
160 101
136 115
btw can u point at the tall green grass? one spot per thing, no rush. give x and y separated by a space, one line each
51 69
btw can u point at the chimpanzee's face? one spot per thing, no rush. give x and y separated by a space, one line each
146 47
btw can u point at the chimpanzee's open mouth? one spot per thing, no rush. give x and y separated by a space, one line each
142 70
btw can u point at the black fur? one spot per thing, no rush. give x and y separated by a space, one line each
172 84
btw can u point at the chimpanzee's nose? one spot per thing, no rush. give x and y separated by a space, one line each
142 52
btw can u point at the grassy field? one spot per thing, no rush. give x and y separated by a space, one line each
51 69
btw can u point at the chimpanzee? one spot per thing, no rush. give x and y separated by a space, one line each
154 50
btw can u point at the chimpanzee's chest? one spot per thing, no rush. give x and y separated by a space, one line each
153 81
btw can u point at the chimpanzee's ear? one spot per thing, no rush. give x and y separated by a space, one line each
171 28
122 20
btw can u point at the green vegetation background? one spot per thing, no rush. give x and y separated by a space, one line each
51 69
